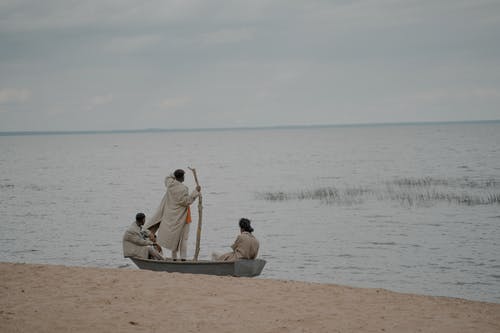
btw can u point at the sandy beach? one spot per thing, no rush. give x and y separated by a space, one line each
49 298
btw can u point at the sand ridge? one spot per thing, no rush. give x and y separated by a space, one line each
51 298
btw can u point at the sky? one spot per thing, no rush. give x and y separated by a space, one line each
112 65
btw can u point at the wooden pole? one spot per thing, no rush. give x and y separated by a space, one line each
200 209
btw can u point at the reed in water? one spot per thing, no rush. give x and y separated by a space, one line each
408 191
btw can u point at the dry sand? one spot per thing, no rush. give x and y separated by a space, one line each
46 298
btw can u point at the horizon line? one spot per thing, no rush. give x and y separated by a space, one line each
229 128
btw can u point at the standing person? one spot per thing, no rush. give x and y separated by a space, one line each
246 246
174 215
137 244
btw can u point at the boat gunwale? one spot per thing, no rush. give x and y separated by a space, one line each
189 262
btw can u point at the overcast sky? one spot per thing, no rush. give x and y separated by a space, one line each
94 65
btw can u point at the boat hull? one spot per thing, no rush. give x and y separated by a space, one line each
242 267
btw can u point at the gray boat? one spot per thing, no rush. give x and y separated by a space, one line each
242 267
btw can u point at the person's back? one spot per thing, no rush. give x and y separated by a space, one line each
246 246
173 232
177 193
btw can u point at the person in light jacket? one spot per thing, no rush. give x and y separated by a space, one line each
246 245
174 216
137 243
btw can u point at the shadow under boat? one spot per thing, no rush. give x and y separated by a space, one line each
242 267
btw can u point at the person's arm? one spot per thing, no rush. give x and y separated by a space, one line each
136 238
187 199
237 242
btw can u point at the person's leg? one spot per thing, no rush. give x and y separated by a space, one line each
184 241
183 250
154 254
174 255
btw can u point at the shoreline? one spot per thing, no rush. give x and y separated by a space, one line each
245 128
53 298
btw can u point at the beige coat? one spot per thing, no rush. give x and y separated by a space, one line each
172 213
134 245
246 246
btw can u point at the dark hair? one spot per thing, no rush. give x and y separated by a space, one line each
179 174
140 216
245 225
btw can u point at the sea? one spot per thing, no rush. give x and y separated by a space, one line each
412 208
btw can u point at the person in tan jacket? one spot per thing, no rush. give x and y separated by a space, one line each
246 245
138 243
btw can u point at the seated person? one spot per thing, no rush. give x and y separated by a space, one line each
138 244
246 245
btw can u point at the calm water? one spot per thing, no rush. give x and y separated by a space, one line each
407 208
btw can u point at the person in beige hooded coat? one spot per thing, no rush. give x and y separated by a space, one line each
135 242
172 215
246 246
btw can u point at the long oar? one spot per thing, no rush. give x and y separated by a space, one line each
200 209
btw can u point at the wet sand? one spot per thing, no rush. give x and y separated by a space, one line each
49 298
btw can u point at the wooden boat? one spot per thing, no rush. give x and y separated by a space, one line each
243 267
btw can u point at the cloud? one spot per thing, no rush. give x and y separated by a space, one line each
255 62
28 15
11 95
134 43
174 103
98 101
455 94
227 36
102 99
486 93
